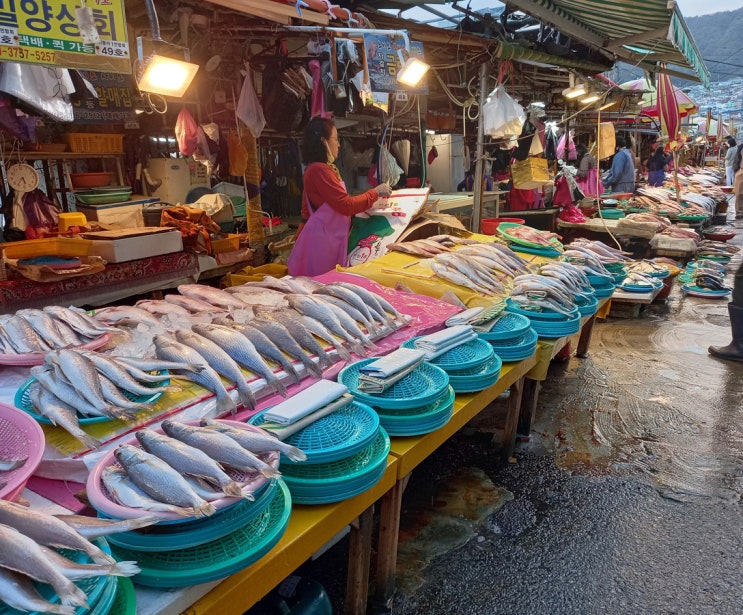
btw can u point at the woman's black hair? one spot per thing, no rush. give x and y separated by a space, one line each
731 141
313 146
659 152
581 150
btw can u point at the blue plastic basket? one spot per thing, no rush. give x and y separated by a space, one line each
335 436
543 315
637 288
587 307
508 326
94 587
598 280
418 388
198 531
418 421
322 483
554 329
215 559
22 401
105 601
698 291
469 354
548 252
604 290
476 378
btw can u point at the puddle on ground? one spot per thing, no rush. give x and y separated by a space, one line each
444 520
650 399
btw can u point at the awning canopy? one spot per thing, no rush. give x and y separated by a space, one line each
651 34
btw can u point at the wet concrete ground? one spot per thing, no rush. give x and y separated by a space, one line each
626 498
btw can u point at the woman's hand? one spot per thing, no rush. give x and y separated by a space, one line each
383 190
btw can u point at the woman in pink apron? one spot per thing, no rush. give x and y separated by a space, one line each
327 208
586 178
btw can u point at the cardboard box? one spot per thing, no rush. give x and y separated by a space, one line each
128 245
118 215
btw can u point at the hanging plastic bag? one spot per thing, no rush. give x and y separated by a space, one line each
40 210
45 89
502 115
249 110
186 133
390 170
572 154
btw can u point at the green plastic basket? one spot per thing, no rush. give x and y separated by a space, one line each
216 559
125 602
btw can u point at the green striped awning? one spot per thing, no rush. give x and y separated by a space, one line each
647 33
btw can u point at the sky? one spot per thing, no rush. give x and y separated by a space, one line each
691 8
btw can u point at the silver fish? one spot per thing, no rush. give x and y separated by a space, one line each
127 315
347 322
151 365
49 531
282 337
263 297
195 306
303 284
113 395
297 331
123 491
22 336
162 308
171 350
337 321
275 283
80 373
221 362
242 351
93 527
120 376
211 295
19 592
76 571
45 325
61 414
351 298
160 481
7 464
143 376
207 491
219 447
262 344
80 321
187 460
375 302
22 554
256 442
319 330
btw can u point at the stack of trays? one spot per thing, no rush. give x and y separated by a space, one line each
511 337
549 324
587 306
420 403
471 366
125 602
346 455
100 591
602 289
183 553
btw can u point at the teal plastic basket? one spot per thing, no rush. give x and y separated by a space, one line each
94 587
476 378
125 602
418 388
509 326
418 421
322 483
105 601
170 537
216 559
548 252
698 291
335 436
469 354
588 307
543 315
22 401
555 329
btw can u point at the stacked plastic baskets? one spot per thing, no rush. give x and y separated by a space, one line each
604 286
419 403
548 323
511 337
346 455
472 366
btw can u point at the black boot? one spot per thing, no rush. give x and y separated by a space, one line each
734 350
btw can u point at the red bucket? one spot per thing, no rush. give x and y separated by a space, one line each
490 225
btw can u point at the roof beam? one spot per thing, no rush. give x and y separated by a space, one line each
614 44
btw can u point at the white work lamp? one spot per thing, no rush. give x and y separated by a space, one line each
412 71
166 76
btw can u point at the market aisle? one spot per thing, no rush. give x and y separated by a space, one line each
627 499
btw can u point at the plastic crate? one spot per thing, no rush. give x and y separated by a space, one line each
227 243
53 246
95 143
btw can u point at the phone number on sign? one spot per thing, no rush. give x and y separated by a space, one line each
34 55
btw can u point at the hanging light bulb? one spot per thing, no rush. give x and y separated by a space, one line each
575 91
589 98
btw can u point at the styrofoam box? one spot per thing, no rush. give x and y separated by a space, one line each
128 245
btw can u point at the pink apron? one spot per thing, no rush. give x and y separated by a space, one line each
588 184
322 244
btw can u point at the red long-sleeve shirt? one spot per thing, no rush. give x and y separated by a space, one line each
322 185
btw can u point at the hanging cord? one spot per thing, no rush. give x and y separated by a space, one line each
422 148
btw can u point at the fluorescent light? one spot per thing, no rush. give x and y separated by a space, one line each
412 71
575 91
608 104
591 97
167 76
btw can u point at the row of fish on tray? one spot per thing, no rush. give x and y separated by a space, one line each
204 335
29 544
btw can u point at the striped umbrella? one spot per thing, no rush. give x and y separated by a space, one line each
668 112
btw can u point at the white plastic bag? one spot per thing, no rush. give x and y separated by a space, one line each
503 116
390 170
249 110
46 89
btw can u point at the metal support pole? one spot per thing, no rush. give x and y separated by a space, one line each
479 165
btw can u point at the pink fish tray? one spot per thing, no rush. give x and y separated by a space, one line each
103 502
20 437
37 358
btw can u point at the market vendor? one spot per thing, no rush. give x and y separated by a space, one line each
587 175
621 176
327 208
657 166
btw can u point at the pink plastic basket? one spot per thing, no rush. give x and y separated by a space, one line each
20 436
101 500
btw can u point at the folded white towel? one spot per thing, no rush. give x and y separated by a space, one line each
377 386
435 341
394 362
432 354
464 318
303 403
